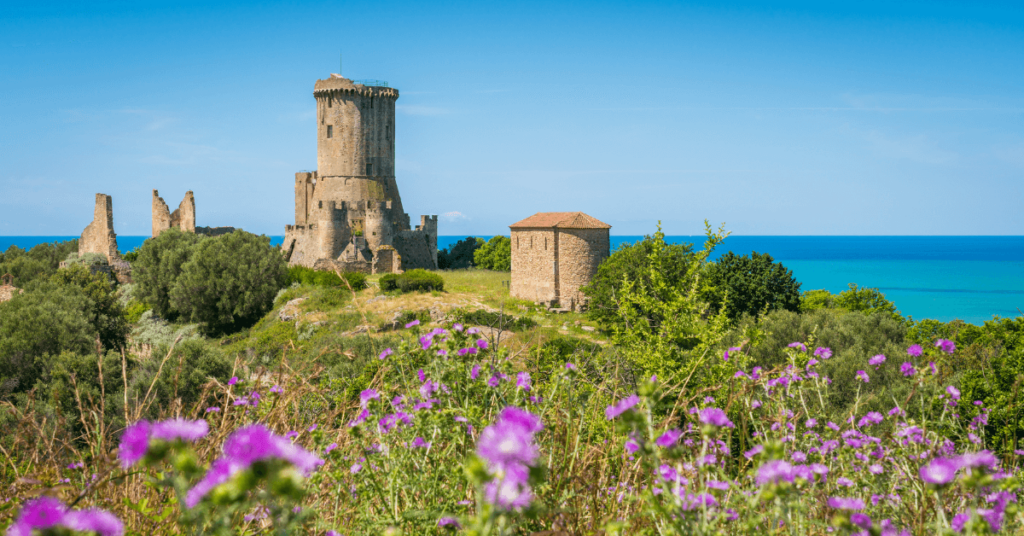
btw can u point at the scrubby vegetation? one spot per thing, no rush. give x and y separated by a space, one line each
309 276
703 398
495 255
459 255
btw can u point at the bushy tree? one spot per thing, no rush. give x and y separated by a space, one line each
158 266
460 254
750 285
189 367
632 262
36 264
495 255
107 315
856 299
230 281
37 326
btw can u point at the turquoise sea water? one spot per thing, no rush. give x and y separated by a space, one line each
940 277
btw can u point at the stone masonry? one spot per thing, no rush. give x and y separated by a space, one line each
7 289
348 213
184 217
554 254
99 236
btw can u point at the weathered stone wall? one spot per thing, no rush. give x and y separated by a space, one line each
533 265
418 249
184 217
387 260
7 288
99 236
580 252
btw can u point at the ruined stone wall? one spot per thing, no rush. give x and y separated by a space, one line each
99 236
387 260
580 252
533 265
184 217
415 250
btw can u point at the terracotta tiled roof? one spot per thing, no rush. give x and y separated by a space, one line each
562 220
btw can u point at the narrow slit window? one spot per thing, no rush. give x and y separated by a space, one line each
369 170
330 131
329 99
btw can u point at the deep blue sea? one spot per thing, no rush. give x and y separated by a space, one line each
972 278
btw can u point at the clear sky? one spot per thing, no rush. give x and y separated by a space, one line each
788 118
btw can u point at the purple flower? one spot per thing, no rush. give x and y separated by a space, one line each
426 342
669 438
953 392
939 471
861 520
982 458
758 449
523 381
844 482
800 345
481 344
907 369
945 345
467 351
877 360
356 467
213 409
475 372
632 445
493 381
420 443
931 365
823 353
180 429
457 327
134 443
95 520
233 380
411 324
359 418
329 448
508 448
914 350
715 417
959 521
570 366
291 434
366 396
734 349
277 389
811 423
842 503
872 417
41 513
863 376
773 472
621 407
799 456
386 353
244 447
449 522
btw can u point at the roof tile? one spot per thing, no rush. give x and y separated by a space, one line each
561 220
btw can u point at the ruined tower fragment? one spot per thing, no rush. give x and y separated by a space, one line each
184 217
99 236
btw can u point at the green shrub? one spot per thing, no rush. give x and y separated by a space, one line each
856 299
130 256
229 282
309 276
751 284
106 314
158 266
133 313
495 255
388 282
191 365
413 280
460 254
480 317
36 264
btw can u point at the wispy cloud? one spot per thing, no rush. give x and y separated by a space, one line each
453 217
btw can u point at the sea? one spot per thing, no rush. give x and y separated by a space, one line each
971 278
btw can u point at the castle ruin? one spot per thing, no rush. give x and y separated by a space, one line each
184 217
348 213
99 236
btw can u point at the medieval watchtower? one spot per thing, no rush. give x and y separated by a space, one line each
350 207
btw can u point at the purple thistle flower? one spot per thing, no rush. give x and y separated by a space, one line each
824 353
426 342
493 381
457 327
811 423
467 351
95 520
475 372
931 365
832 426
356 467
411 324
800 345
359 418
134 443
773 472
420 443
472 331
945 345
959 521
734 349
386 353
570 366
277 389
41 513
872 417
621 407
861 520
754 404
291 434
715 417
907 369
442 353
953 392
669 438
523 381
449 522
632 445
329 448
914 350
863 376
758 449
180 429
366 396
982 458
877 360
844 482
939 471
213 409
233 380
481 344
508 447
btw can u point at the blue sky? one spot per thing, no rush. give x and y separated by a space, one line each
777 119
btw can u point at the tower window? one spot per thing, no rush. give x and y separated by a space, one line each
388 131
369 169
330 131
329 101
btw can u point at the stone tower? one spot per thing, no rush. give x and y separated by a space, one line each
350 207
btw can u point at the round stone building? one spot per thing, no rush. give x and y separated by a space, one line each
556 253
